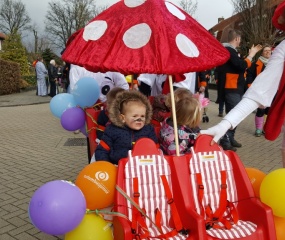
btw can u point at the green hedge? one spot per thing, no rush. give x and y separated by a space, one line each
10 77
30 79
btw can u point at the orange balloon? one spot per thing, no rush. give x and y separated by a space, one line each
256 177
279 227
97 182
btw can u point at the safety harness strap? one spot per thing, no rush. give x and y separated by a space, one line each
217 219
138 221
176 218
104 145
138 224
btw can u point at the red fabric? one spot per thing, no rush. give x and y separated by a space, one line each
276 115
278 12
160 54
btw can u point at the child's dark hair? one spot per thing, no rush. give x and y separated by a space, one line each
111 95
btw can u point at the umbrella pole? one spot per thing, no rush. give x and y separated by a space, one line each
173 109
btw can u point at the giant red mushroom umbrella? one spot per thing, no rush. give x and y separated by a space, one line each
145 36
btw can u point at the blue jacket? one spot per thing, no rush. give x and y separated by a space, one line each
117 141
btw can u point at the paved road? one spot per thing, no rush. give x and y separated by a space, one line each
33 151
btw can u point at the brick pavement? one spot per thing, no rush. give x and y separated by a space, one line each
32 152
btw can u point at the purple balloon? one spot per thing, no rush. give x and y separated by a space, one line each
57 207
72 119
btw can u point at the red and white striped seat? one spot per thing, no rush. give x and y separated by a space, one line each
210 165
148 169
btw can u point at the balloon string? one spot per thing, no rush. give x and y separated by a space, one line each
109 213
121 191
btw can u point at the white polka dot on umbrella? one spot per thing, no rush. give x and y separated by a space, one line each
94 30
175 11
186 46
134 3
137 36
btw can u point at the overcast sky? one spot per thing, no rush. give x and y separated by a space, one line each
207 13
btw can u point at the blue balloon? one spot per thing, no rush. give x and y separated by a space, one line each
60 102
86 92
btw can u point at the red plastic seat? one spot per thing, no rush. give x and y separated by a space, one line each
249 208
147 164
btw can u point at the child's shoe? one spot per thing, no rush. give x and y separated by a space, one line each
258 132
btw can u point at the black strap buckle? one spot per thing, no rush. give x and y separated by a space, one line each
208 226
184 231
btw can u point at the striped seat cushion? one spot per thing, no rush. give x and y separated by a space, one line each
148 170
210 165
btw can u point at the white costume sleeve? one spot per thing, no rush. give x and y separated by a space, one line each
260 93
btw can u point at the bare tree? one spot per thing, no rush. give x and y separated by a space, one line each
13 16
255 21
67 16
189 6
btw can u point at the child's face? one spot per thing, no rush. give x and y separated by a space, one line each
134 115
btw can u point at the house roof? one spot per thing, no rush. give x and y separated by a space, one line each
2 36
231 20
225 23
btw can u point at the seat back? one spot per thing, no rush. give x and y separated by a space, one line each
214 184
210 165
148 169
141 175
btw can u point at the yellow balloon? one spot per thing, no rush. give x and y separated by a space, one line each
272 191
92 227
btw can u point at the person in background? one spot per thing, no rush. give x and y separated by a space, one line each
256 68
130 116
202 82
34 65
41 73
53 77
220 93
231 76
65 76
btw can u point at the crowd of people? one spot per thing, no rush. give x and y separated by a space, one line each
51 77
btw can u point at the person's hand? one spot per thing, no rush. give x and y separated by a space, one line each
254 49
217 131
